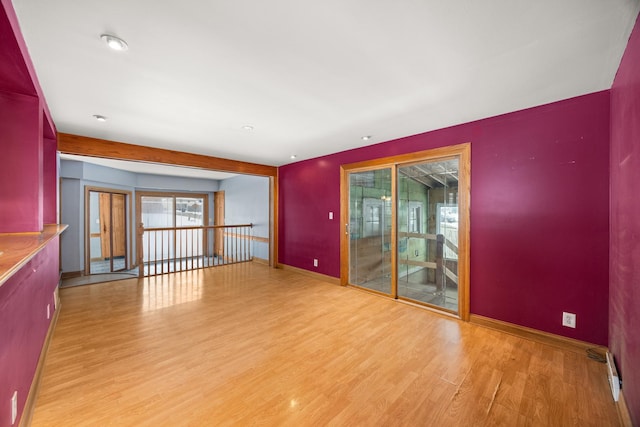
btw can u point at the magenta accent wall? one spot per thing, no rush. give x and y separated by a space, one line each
28 194
21 164
539 212
624 306
14 68
23 301
24 119
50 181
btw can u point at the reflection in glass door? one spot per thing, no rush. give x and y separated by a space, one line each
428 232
370 229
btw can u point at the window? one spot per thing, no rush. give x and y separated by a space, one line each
414 221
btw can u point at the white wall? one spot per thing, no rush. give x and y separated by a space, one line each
247 201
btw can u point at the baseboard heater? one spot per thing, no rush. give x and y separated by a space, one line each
614 379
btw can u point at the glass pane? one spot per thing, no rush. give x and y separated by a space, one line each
118 232
97 263
370 229
157 212
428 233
189 211
189 214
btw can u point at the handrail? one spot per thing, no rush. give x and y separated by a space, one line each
172 249
194 227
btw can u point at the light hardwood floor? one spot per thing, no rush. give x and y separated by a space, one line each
249 345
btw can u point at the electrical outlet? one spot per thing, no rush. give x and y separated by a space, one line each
315 262
568 319
48 311
14 407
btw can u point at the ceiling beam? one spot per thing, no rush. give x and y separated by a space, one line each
94 147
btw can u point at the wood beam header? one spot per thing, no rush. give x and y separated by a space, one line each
94 147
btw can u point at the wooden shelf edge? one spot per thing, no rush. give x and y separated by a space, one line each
18 249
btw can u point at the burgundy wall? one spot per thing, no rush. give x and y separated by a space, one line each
624 307
21 164
28 196
539 212
24 119
50 181
15 69
23 316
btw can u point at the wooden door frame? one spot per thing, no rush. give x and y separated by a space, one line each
218 234
87 225
460 151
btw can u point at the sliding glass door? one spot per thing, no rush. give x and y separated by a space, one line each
370 229
175 220
407 226
428 232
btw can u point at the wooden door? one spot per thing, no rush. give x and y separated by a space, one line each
118 225
105 225
218 219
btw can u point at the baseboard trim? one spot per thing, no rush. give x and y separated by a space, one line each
318 276
30 404
623 411
260 260
70 274
536 335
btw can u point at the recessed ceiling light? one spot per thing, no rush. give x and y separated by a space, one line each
247 127
366 137
115 43
293 156
100 118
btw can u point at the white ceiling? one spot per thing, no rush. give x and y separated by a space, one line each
311 77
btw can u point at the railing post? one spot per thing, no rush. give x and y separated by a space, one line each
140 250
250 256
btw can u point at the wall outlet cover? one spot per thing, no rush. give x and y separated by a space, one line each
568 319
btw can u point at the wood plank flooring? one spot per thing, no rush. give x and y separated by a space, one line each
248 345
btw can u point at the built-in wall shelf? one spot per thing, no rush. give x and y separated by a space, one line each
16 249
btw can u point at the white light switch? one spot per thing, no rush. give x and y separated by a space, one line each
330 215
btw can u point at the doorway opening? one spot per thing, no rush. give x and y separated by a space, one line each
106 224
